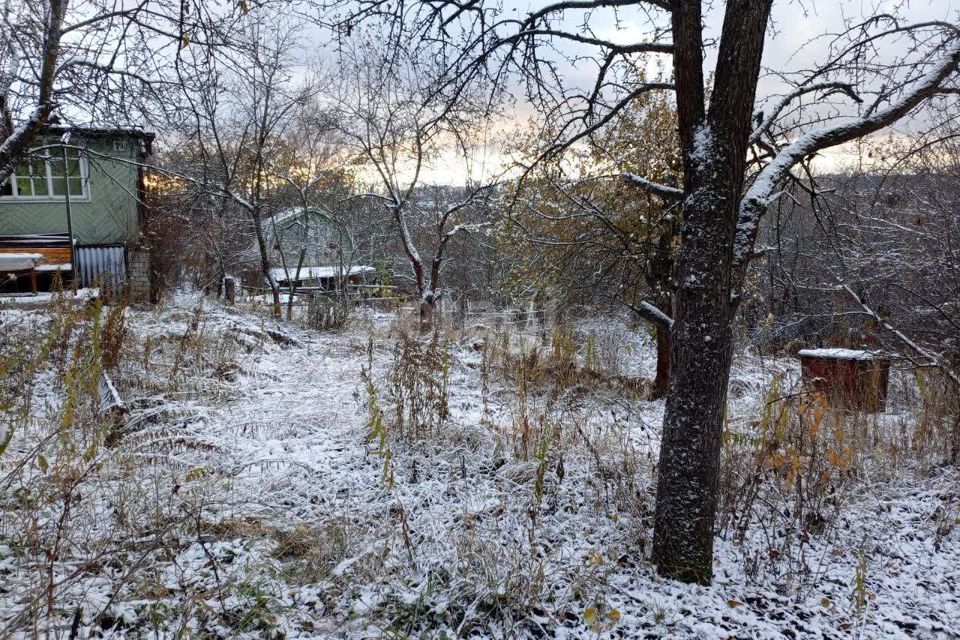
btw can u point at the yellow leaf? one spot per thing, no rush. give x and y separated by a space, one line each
42 463
185 41
614 614
91 453
196 473
590 615
825 602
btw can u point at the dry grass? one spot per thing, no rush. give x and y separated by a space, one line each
83 503
144 516
789 476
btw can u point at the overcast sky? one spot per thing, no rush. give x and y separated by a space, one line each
798 39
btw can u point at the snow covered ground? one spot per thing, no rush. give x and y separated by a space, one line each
265 510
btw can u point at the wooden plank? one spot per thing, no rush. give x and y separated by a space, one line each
51 255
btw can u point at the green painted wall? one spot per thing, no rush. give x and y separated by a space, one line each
108 216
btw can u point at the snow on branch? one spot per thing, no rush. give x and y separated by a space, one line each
15 144
757 197
662 190
467 228
766 120
932 358
650 312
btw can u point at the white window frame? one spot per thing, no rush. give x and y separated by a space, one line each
52 154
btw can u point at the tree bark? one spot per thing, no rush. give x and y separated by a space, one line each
430 295
714 145
16 141
426 316
265 264
662 379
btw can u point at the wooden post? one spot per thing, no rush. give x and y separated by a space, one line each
230 290
66 201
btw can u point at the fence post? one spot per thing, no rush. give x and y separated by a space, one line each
230 290
462 310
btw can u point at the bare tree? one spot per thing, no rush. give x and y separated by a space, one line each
593 245
399 120
736 156
312 164
239 105
92 60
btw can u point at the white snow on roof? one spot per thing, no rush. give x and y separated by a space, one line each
312 273
840 354
282 216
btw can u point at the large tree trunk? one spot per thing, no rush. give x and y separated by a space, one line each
714 145
429 297
426 316
699 370
16 141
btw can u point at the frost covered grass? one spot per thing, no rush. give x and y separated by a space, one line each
271 481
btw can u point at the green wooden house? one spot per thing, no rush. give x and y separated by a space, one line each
328 252
84 185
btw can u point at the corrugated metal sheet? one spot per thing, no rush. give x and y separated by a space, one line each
101 266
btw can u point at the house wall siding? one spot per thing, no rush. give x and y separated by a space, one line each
307 229
108 217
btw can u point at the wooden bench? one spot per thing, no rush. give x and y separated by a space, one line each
13 264
47 259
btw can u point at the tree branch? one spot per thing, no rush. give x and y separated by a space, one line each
754 202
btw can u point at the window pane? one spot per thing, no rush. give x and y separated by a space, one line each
31 181
56 167
22 178
73 169
24 187
38 171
